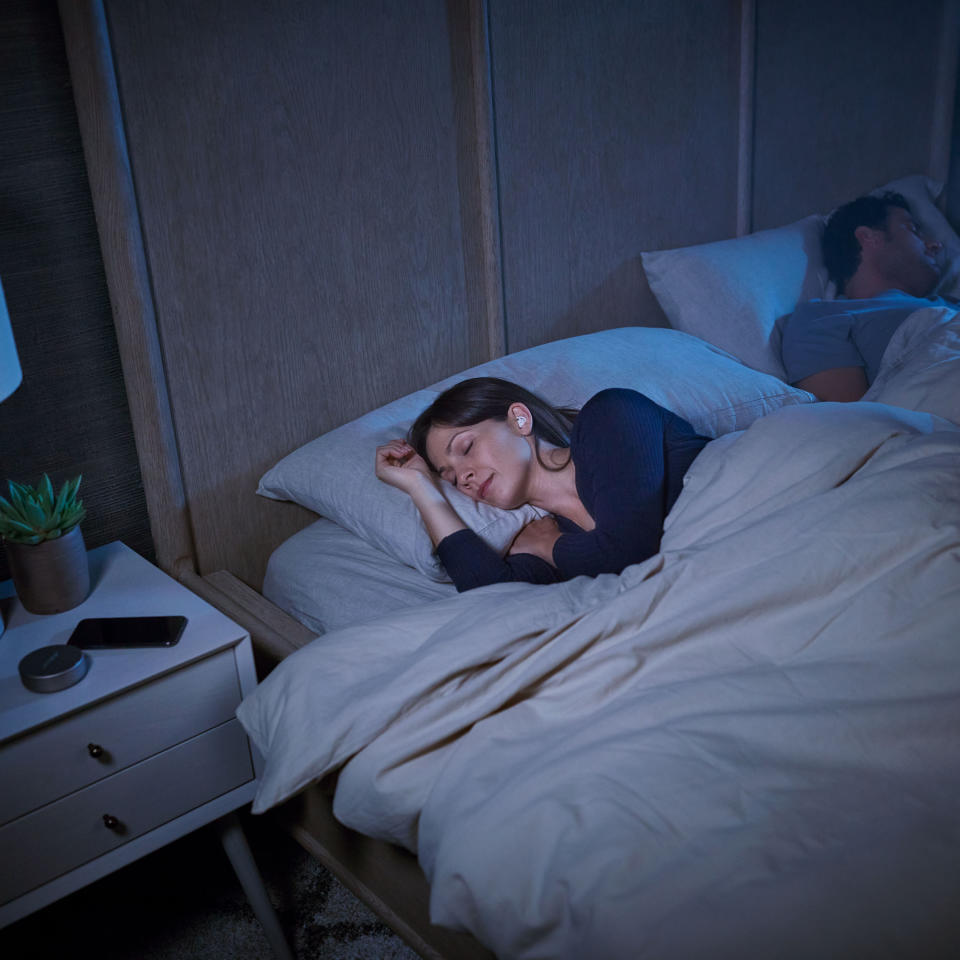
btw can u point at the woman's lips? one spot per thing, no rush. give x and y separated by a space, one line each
482 492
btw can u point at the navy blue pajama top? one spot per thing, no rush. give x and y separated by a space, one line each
630 456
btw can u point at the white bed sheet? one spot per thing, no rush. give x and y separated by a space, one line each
920 369
327 577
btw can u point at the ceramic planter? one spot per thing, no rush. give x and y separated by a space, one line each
52 576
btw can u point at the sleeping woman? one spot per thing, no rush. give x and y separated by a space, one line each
609 474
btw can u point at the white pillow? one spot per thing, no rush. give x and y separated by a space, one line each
333 475
732 292
736 293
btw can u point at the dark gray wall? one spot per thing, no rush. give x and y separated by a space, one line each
849 87
70 413
296 173
616 133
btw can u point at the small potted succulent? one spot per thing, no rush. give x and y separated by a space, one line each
44 545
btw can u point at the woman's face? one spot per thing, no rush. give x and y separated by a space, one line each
491 461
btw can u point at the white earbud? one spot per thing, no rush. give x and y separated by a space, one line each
521 422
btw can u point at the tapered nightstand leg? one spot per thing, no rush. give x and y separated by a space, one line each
238 851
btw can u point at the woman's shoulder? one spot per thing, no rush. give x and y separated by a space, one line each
615 400
612 412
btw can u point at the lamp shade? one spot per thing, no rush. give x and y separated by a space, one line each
10 375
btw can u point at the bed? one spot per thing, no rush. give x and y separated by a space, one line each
744 746
718 366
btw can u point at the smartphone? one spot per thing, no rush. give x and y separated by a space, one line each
112 633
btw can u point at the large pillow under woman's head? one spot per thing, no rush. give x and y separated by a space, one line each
330 474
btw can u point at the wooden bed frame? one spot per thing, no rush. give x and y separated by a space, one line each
387 878
209 530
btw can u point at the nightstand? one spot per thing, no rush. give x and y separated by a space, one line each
144 749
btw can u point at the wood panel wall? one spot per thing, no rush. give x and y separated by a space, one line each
70 413
297 180
615 120
338 202
846 99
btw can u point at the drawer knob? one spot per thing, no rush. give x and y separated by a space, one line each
94 749
111 822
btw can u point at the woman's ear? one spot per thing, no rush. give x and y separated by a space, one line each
520 418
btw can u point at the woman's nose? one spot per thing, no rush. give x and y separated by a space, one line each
934 245
466 474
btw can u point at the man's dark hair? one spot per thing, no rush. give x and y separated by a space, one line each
841 248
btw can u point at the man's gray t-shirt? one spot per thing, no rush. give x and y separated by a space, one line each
823 334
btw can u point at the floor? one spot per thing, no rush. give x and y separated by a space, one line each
185 902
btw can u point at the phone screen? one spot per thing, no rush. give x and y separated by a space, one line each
99 633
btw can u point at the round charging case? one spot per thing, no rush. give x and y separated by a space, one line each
54 668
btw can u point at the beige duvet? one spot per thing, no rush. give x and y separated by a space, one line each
747 746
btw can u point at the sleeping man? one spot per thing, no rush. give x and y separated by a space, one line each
884 269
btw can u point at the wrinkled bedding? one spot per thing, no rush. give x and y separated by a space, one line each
920 369
327 578
748 745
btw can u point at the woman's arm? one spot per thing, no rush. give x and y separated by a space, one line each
467 559
472 563
400 466
538 537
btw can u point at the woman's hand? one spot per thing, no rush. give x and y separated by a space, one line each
402 467
538 538
399 465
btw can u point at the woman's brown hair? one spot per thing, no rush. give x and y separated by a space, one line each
489 398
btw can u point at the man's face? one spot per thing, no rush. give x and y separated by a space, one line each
906 257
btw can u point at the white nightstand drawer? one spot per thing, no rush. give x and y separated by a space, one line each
55 839
54 761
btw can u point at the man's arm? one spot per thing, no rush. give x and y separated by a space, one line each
819 353
841 384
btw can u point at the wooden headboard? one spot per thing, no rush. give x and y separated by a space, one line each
309 209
